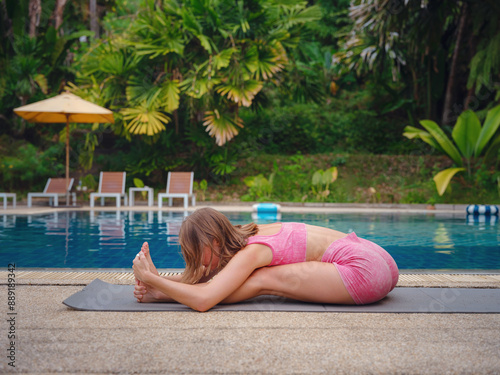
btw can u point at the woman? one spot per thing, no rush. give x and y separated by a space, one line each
294 260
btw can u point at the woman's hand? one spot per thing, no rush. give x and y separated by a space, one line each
140 290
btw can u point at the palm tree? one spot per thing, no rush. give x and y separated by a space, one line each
35 11
427 46
206 54
57 15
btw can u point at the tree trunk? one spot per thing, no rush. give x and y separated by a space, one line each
58 15
448 99
470 95
93 18
176 120
6 21
472 89
35 10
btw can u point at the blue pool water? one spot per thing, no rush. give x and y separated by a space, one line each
111 239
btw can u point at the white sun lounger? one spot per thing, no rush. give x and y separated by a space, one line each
54 188
111 185
179 185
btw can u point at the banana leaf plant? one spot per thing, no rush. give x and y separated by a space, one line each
321 181
472 141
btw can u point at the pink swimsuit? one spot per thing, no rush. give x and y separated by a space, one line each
368 271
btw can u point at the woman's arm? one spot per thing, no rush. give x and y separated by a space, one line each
144 292
176 277
202 297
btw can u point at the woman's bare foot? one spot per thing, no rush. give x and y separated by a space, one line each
145 250
144 292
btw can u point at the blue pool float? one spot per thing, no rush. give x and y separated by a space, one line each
266 211
482 209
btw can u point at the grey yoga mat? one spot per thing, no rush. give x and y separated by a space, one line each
103 296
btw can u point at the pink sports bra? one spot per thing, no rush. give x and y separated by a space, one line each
288 245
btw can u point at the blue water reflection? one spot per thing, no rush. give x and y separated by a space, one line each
99 239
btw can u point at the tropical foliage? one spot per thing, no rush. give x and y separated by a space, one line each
260 188
471 139
35 60
29 168
257 77
321 181
208 57
425 48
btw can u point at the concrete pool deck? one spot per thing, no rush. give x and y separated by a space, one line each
51 338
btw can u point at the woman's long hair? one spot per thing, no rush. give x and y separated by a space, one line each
199 230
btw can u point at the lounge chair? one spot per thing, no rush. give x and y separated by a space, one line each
111 185
179 185
54 188
5 196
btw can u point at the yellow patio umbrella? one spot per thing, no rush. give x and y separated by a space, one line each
65 108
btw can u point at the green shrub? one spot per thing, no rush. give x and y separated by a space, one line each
260 187
201 186
89 182
344 124
30 168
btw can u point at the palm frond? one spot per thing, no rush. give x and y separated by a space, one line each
266 63
222 125
170 95
191 24
139 90
118 63
264 60
242 93
144 120
298 15
196 87
222 59
160 46
155 95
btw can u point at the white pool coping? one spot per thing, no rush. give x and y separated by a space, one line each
439 209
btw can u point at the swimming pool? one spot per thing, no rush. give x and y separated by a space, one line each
99 239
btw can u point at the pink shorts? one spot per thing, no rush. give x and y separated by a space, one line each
368 271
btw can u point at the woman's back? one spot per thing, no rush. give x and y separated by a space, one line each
295 242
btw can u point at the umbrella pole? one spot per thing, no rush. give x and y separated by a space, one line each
67 159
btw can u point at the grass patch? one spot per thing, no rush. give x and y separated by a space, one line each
361 179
